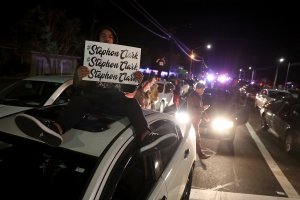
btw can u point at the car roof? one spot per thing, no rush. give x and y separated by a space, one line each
89 143
51 78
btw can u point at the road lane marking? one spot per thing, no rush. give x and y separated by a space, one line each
200 194
283 181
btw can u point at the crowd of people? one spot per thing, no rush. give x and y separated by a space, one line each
120 99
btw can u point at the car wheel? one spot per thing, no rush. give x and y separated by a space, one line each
188 186
162 107
288 142
263 123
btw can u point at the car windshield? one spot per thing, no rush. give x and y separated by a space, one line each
28 93
53 173
220 100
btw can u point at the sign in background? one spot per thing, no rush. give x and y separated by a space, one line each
111 63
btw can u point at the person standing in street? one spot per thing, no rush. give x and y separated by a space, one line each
196 110
176 92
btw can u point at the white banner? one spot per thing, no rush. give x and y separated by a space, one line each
111 63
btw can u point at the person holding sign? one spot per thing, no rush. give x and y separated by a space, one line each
91 96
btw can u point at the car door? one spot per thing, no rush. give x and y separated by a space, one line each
133 177
137 176
280 119
270 112
178 159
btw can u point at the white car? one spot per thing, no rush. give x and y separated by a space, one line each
165 95
184 87
35 91
267 95
97 164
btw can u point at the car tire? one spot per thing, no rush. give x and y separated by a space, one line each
288 142
188 186
263 123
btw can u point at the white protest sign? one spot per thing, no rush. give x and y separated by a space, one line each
111 63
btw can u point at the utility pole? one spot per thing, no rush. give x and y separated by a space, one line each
276 74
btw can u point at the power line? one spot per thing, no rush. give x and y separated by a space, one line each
146 14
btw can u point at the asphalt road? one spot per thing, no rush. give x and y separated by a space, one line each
257 167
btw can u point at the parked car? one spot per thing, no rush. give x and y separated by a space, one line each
35 91
224 114
165 95
281 118
248 92
267 95
97 163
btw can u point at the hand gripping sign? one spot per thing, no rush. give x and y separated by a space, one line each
111 63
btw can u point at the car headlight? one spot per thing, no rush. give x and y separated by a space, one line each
182 117
221 124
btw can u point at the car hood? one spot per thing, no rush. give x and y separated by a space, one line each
9 110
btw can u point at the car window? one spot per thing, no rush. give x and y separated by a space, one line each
169 88
296 112
277 95
37 170
134 175
65 96
284 109
28 93
164 127
275 106
130 177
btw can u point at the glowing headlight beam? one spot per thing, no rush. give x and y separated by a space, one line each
221 124
182 117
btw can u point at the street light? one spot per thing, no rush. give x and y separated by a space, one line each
241 70
276 74
193 56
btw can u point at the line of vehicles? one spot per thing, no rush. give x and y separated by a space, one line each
102 161
279 111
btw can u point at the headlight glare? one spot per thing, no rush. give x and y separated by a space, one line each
182 117
221 124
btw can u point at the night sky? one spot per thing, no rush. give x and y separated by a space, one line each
243 33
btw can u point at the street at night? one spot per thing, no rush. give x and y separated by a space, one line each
139 99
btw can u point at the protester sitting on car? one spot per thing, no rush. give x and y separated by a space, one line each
88 97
